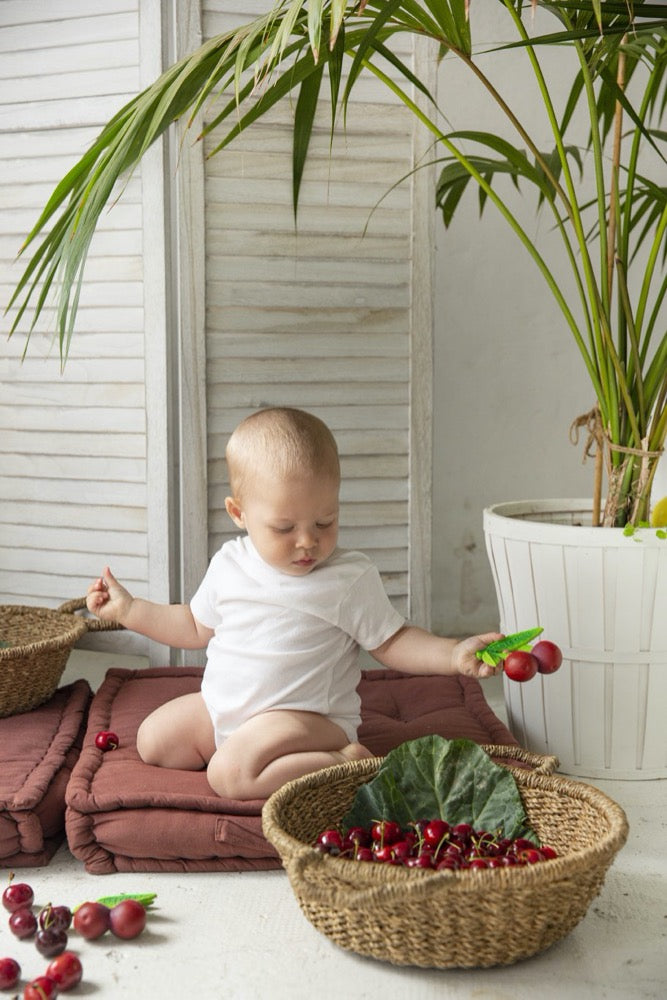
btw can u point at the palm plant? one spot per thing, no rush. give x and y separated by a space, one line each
619 84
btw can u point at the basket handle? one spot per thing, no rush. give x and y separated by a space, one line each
539 763
92 624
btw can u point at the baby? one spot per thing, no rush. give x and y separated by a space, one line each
283 612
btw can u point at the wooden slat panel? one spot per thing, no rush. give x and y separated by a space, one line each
30 516
107 492
316 316
73 493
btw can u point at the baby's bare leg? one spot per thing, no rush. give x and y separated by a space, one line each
275 747
178 734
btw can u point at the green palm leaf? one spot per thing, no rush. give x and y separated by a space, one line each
305 110
240 75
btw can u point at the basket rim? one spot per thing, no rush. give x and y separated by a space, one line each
72 629
297 855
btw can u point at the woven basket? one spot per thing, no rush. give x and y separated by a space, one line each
39 643
447 919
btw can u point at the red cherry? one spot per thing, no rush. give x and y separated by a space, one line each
523 844
10 973
17 895
384 854
423 860
530 856
548 656
548 852
23 923
51 941
127 919
364 854
435 832
59 917
91 920
40 988
106 740
65 970
386 831
448 863
359 835
519 665
330 840
401 850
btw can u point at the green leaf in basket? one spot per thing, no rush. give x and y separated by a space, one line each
432 777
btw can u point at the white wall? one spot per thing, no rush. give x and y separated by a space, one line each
508 376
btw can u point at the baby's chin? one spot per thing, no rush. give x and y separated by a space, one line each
302 567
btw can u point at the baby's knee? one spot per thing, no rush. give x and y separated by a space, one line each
148 743
227 778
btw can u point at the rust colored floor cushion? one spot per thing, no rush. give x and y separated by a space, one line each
38 750
124 815
396 707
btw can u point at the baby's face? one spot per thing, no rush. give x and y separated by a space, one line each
293 523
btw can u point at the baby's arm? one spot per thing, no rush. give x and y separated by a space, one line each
416 651
171 624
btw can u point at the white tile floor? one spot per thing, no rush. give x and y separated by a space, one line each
243 937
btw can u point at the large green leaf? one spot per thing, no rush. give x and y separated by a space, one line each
432 777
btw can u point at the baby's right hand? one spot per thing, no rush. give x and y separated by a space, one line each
107 599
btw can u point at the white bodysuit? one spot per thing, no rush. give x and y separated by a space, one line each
285 641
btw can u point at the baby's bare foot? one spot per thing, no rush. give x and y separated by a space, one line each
353 751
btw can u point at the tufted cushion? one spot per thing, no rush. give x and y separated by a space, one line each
397 707
38 750
124 815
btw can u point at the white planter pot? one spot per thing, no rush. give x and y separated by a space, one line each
602 596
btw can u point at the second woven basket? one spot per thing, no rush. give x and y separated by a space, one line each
36 644
446 919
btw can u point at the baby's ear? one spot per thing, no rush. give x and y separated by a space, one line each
234 510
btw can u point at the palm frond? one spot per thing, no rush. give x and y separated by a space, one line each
239 76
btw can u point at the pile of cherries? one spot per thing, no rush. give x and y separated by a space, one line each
49 928
431 844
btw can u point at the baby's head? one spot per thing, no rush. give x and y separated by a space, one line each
285 477
280 443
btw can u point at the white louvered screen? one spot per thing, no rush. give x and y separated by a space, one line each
319 317
72 445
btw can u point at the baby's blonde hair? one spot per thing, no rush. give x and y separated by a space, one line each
281 441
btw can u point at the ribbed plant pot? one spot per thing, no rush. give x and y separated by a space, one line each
602 596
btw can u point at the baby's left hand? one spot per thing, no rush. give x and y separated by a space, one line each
464 660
